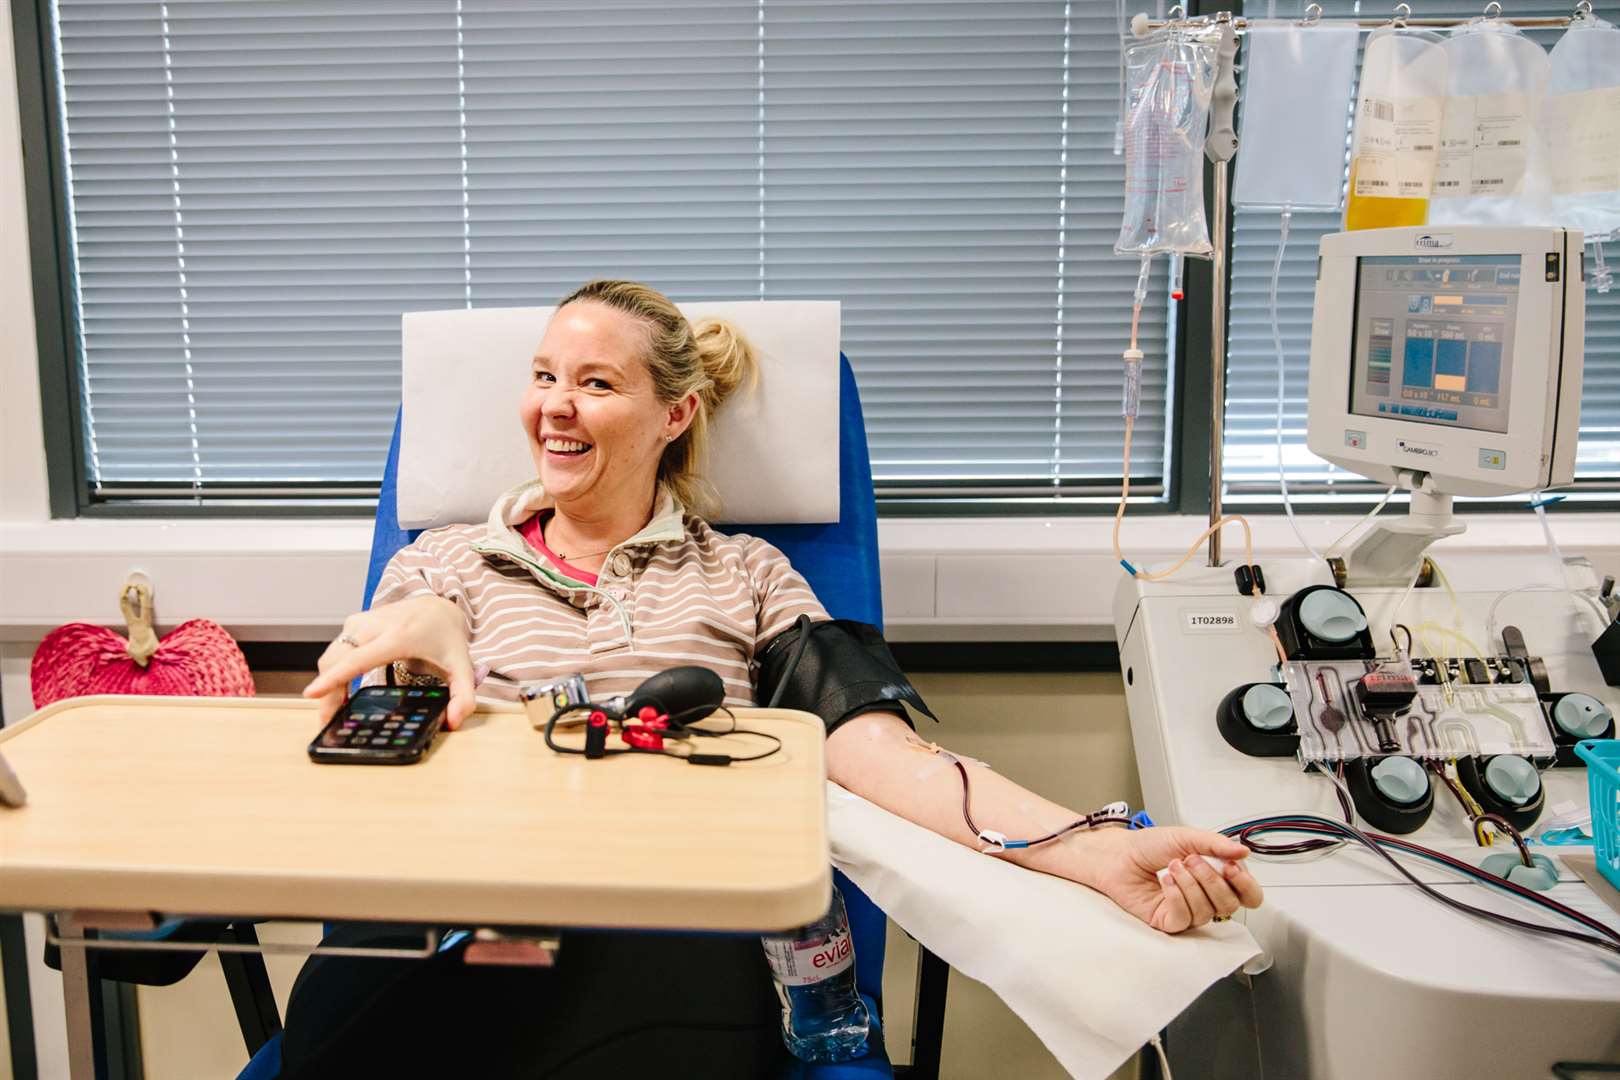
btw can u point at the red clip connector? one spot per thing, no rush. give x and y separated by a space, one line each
646 736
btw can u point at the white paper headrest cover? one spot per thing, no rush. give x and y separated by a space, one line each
774 452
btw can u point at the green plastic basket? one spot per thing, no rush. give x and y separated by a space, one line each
1602 757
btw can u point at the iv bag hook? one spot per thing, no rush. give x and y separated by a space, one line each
1402 13
1313 15
1583 9
1493 10
1176 13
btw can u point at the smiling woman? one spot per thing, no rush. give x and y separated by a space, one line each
620 402
600 567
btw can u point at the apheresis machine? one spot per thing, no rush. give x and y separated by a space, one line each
1402 734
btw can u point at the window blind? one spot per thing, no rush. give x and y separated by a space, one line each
1251 406
258 191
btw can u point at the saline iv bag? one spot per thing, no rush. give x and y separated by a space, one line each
1295 105
1169 83
1581 129
1397 133
1489 171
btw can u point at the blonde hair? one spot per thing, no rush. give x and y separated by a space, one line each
711 359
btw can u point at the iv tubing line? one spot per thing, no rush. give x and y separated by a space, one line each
1333 548
1276 342
1139 297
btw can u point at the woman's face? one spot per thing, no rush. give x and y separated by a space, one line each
595 425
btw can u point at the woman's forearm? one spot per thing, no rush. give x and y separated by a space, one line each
879 758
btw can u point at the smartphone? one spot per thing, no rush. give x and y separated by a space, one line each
382 725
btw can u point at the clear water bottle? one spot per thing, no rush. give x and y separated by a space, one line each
824 1019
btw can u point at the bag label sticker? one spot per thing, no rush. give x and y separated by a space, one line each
1484 146
1583 141
1397 141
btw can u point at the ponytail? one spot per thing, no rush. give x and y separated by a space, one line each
712 360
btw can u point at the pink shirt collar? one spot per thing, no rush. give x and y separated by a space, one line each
531 530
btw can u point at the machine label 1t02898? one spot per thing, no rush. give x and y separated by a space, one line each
1211 622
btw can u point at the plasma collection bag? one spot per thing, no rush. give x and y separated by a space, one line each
1489 171
1397 137
1581 128
1169 82
1294 107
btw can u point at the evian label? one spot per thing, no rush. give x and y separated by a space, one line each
1434 241
800 963
1417 449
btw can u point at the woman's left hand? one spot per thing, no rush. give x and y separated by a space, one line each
1124 866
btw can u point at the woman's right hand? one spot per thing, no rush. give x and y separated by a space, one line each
429 629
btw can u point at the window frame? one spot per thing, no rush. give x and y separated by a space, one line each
1185 481
47 237
71 493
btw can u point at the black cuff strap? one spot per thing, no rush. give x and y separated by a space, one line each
844 669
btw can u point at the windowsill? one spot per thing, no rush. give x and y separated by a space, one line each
944 579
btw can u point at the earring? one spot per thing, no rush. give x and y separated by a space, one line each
669 438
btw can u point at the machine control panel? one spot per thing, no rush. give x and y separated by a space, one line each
1387 729
1351 709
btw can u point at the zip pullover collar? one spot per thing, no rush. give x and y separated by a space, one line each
501 540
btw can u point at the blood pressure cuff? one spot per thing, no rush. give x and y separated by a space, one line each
844 669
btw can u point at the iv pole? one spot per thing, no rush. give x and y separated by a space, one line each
1219 147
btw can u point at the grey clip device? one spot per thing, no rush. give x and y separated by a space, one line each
11 789
561 694
1221 142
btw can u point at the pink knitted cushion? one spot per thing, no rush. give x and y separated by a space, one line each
195 659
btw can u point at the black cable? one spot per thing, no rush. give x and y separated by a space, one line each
684 730
732 758
1344 800
692 757
1377 843
732 730
802 625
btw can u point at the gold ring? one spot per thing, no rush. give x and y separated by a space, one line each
348 639
1220 918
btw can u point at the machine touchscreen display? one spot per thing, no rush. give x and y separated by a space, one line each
1434 339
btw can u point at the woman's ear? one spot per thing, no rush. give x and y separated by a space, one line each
680 416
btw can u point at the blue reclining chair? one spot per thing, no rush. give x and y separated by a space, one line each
840 561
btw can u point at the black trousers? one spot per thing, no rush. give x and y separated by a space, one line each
615 1005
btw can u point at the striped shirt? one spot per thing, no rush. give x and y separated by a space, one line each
675 593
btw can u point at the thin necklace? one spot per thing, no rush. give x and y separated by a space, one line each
566 558
576 558
588 554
